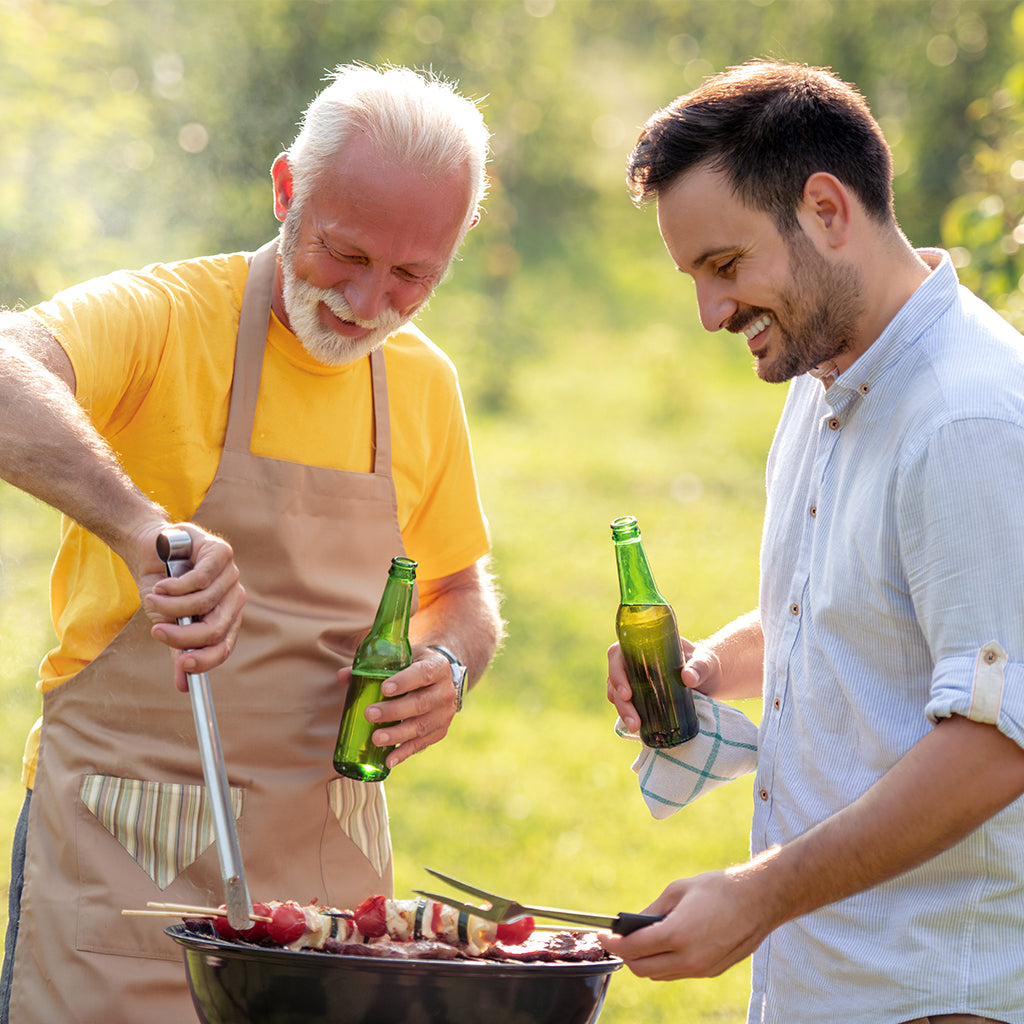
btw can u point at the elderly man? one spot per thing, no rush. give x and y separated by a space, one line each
280 408
887 877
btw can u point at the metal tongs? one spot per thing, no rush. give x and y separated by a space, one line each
174 548
503 910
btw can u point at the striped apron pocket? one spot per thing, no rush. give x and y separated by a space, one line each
362 813
164 826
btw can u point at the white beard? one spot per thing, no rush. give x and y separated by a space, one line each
302 304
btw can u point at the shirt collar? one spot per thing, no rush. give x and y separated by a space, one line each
929 301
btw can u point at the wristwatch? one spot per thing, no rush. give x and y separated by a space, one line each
458 673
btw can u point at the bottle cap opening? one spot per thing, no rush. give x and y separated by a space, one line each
624 526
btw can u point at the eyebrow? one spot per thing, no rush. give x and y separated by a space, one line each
710 254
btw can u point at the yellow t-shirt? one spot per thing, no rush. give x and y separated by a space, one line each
153 354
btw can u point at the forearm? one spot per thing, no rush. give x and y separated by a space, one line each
948 784
50 449
953 780
461 612
738 649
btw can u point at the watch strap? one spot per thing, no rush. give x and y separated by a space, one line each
459 671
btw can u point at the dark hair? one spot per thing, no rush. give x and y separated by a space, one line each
769 126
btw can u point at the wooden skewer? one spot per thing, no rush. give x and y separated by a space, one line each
185 910
161 913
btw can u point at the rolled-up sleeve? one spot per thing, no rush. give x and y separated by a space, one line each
964 547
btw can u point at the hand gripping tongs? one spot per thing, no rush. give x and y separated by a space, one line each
503 910
175 550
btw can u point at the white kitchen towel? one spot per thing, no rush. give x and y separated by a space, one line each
723 750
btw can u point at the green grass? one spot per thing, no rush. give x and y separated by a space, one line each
532 793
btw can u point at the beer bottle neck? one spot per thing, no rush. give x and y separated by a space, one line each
392 619
636 581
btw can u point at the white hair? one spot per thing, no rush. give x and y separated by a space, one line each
417 119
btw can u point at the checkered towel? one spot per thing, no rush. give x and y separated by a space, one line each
725 749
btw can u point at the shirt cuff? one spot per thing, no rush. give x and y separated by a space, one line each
988 689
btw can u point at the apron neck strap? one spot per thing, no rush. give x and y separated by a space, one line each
253 324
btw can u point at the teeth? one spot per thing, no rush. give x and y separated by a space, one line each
754 329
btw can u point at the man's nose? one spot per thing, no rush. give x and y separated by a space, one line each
367 294
715 306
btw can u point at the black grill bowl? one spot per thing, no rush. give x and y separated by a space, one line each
236 984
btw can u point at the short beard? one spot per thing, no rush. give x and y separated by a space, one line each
302 305
820 312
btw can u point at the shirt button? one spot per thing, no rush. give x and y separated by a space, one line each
794 609
833 424
813 510
864 388
777 703
763 794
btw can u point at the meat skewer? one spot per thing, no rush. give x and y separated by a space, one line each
376 920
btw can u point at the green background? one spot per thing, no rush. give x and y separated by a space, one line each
139 131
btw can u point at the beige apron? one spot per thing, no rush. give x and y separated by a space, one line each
118 815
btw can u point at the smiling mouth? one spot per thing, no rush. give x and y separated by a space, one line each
344 326
755 328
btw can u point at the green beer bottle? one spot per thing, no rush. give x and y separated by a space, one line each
384 651
649 639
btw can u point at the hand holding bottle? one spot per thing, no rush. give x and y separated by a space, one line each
650 648
415 708
384 651
700 666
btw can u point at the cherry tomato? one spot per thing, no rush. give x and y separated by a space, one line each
287 923
514 933
256 931
371 917
221 926
259 928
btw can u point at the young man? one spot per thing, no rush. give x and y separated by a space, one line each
887 878
282 402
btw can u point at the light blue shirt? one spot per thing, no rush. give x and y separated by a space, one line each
892 595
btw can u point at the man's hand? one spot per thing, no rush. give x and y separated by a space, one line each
699 661
620 693
712 921
209 594
461 612
421 704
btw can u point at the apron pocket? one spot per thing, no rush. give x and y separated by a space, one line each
362 813
164 826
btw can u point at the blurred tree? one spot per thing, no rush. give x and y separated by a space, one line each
984 228
138 130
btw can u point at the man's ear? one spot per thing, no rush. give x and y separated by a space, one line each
281 173
826 210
